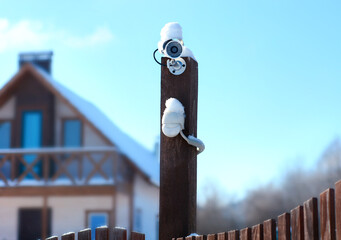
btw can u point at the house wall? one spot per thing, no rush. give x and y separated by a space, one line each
146 199
9 209
122 211
69 213
7 111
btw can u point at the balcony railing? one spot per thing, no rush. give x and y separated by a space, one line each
58 166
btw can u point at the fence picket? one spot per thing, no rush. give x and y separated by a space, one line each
84 234
310 213
269 229
102 233
245 234
68 236
52 238
201 237
283 224
119 233
222 236
327 214
297 229
137 236
233 235
338 209
212 237
257 232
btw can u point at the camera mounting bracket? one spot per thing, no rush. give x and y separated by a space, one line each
176 66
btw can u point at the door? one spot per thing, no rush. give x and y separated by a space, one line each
30 223
31 137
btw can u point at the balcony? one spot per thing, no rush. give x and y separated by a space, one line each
58 166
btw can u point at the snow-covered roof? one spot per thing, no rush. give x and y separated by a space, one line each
141 157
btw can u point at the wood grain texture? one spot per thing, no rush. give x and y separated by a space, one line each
297 227
257 232
283 224
68 236
119 233
102 233
233 235
245 234
310 213
178 160
327 214
212 237
222 236
137 236
84 234
338 209
269 229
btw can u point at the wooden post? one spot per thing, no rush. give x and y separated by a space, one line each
178 160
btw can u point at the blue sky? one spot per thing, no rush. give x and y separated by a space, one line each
269 73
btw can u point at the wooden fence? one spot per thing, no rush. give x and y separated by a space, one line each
102 233
305 222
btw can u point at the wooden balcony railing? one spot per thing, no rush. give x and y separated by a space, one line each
58 166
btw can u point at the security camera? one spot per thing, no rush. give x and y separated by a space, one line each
172 48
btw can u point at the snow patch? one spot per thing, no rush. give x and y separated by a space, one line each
186 52
171 30
174 105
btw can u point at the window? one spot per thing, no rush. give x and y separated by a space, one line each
5 133
72 133
138 220
97 219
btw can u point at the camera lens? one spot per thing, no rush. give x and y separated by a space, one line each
173 49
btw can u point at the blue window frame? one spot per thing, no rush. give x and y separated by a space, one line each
5 134
72 133
97 219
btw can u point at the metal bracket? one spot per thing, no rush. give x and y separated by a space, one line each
176 66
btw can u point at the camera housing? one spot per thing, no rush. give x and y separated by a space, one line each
172 48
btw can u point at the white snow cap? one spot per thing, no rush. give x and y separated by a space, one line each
173 119
174 105
171 30
186 52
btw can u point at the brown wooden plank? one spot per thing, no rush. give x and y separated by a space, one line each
327 214
269 229
68 236
84 234
296 221
212 237
180 238
310 213
52 238
119 233
338 209
245 234
178 159
137 236
257 232
284 226
201 237
222 236
102 233
233 235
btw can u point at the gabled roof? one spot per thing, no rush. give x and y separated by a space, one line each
142 158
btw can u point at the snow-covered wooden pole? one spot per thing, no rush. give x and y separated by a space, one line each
178 159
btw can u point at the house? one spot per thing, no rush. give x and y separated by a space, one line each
64 166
